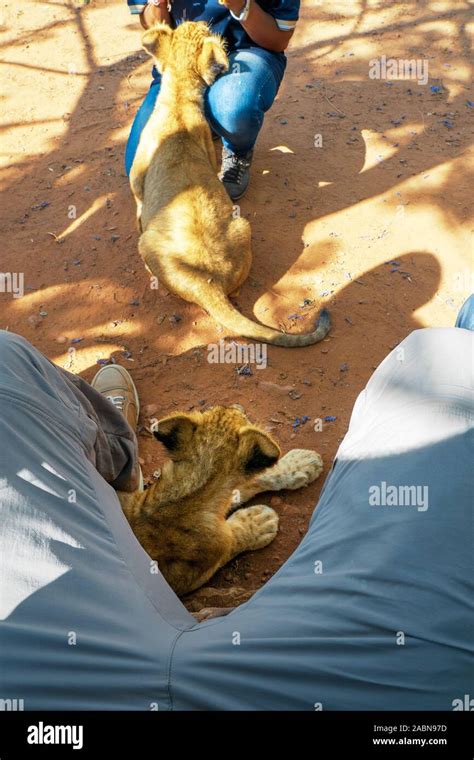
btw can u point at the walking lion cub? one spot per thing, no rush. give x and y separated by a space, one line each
190 520
191 240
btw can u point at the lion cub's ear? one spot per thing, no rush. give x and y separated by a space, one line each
156 41
257 449
175 432
212 60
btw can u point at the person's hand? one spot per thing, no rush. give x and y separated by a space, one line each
236 6
153 14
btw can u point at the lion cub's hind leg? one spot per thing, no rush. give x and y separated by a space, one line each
252 528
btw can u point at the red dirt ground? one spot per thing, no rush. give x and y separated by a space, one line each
391 182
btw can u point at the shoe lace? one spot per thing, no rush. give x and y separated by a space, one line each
117 401
234 168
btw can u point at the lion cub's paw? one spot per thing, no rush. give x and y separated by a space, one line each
253 527
294 470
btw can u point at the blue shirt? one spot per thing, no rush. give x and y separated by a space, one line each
285 13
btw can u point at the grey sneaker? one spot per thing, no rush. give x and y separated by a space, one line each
235 173
115 383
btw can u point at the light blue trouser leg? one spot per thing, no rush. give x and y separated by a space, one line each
374 610
86 621
466 315
235 104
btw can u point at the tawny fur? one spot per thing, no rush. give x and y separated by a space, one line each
191 240
189 521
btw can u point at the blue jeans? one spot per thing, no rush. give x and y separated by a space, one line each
235 103
466 315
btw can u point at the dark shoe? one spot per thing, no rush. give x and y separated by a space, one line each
235 173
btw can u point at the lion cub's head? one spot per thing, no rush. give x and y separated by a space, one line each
220 440
189 50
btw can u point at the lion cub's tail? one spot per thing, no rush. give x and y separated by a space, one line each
219 307
212 298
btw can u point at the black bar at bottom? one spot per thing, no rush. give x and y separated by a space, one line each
374 734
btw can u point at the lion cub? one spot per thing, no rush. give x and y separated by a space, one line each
189 521
191 239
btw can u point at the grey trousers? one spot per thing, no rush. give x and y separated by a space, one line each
372 611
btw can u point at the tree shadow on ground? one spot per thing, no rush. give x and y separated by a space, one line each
86 276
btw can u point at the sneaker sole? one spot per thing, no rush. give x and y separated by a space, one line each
235 197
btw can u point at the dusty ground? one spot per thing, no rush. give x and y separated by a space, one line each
391 182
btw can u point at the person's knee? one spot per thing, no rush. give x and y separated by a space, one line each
429 337
11 344
234 110
7 340
435 356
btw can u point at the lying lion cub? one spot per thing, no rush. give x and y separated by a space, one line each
218 461
190 239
